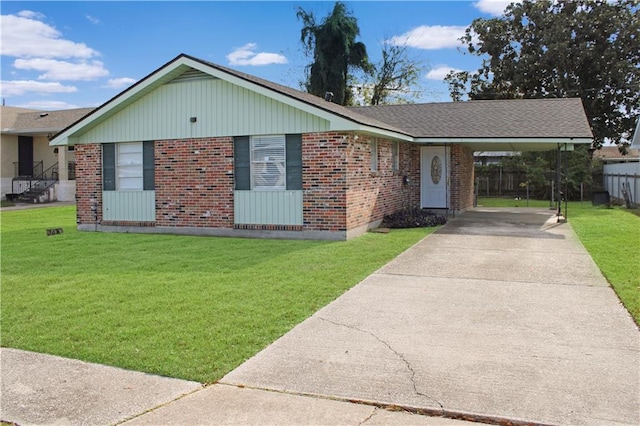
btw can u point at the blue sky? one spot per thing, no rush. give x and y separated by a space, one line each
58 55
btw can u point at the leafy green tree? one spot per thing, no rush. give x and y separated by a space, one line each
335 51
394 77
539 169
561 48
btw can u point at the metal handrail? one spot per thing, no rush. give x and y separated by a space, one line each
35 171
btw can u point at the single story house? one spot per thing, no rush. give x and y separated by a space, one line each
28 162
198 148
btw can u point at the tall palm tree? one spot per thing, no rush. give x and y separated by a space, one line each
335 50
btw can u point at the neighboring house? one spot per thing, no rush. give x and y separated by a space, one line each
197 148
28 162
621 172
635 140
492 158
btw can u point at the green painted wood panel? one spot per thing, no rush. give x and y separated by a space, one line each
136 206
268 207
220 108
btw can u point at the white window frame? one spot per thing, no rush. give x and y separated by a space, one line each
395 156
129 166
268 163
373 147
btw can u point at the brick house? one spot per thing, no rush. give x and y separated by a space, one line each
197 148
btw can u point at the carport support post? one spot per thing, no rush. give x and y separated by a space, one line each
558 184
566 183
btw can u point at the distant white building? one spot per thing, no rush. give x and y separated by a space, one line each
622 172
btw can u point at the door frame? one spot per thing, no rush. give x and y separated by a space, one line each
446 153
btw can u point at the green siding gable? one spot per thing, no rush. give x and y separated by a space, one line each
220 108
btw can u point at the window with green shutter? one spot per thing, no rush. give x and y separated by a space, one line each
294 162
128 166
109 167
268 163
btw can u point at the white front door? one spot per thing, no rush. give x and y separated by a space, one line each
434 177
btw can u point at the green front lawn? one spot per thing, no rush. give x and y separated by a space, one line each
610 235
187 307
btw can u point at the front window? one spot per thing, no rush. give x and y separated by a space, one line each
129 166
268 170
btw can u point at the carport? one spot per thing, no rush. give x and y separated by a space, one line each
519 125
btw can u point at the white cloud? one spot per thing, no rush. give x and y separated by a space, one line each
20 87
30 14
119 83
492 7
25 36
246 55
48 105
92 19
440 72
430 37
63 70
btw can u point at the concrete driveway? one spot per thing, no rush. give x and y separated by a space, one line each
499 316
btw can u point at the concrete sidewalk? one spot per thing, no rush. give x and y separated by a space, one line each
39 389
501 316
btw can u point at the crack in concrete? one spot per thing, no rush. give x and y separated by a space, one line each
369 417
398 354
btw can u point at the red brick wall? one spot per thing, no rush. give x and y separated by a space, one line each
194 182
462 177
373 194
324 184
88 183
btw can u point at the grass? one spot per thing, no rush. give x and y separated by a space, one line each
612 238
179 306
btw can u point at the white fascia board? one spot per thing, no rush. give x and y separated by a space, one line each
141 87
510 141
60 141
387 134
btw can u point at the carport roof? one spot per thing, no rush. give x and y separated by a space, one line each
509 119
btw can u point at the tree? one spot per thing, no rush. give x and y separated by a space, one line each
335 51
394 77
561 48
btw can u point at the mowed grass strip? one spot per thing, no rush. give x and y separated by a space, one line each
612 238
179 306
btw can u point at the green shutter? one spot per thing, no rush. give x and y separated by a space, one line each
148 166
108 167
242 162
294 162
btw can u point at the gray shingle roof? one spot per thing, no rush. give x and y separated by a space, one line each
9 114
513 118
509 119
48 120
